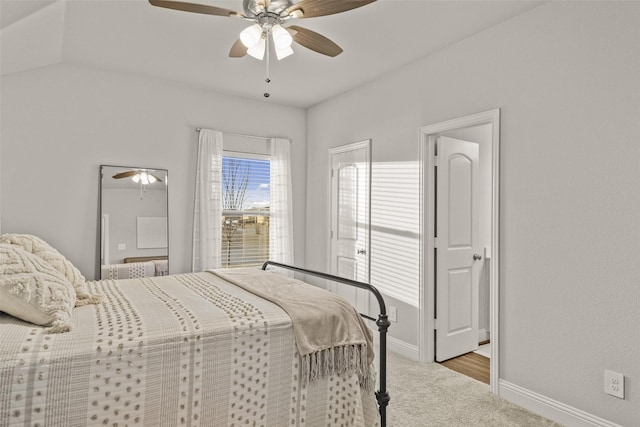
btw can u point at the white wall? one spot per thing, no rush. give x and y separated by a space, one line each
565 76
60 122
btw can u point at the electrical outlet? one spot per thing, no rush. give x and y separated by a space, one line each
614 384
393 314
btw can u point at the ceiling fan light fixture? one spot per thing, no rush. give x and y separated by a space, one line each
283 53
143 178
268 17
281 37
251 36
257 51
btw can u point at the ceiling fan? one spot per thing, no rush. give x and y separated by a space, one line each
268 17
138 176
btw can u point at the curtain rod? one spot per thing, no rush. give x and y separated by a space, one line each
249 136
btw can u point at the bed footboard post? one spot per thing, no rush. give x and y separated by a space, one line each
382 395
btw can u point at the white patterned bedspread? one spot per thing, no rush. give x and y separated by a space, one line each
180 350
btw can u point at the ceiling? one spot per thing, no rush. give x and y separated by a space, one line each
134 37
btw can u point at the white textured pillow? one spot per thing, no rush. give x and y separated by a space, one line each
32 290
46 252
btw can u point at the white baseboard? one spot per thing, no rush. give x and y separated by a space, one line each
409 351
549 408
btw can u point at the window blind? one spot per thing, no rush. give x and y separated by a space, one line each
245 214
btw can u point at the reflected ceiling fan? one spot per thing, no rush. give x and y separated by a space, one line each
268 17
138 176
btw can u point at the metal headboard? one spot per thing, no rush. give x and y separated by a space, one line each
382 395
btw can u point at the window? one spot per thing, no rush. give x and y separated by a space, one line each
245 209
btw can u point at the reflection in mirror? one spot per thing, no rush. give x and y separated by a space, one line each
134 222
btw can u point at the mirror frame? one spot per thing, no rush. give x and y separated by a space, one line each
101 207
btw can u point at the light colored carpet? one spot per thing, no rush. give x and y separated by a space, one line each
430 395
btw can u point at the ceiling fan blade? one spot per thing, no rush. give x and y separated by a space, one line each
314 41
238 50
125 174
157 179
194 7
313 8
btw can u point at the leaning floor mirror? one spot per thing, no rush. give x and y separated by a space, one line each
134 222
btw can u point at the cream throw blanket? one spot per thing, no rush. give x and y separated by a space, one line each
330 334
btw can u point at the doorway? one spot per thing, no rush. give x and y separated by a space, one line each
456 257
350 235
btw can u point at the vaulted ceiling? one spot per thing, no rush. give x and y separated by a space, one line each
133 36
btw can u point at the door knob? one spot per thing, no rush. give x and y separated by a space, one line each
477 257
362 252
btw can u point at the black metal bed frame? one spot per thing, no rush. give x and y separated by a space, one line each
382 395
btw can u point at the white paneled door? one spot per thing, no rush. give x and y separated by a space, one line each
350 219
458 252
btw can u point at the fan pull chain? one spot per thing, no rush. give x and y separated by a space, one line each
267 80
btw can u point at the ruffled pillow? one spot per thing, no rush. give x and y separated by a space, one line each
32 290
46 252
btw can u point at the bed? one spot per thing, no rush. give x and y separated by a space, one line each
200 349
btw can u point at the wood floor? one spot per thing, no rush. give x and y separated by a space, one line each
471 364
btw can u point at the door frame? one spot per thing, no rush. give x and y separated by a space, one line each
428 134
366 143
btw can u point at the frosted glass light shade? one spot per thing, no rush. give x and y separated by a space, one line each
251 36
283 53
281 37
257 51
144 178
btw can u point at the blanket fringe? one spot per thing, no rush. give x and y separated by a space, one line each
342 360
85 299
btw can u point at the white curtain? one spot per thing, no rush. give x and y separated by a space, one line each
207 215
280 212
